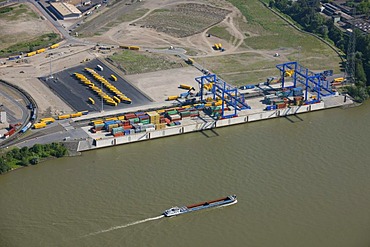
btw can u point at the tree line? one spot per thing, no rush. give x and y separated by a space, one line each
307 14
30 156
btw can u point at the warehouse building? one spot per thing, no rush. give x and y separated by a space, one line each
65 11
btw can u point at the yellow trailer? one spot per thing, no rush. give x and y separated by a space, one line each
172 97
190 61
77 114
117 99
30 54
135 48
47 119
66 116
187 87
40 50
39 125
339 79
54 46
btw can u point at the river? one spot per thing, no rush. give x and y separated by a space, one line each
300 181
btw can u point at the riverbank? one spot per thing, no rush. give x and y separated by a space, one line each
204 122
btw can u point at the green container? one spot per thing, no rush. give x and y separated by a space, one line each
146 121
173 112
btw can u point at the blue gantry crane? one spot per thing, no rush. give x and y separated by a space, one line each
227 93
314 81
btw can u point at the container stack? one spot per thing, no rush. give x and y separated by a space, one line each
154 117
98 126
143 117
213 110
117 130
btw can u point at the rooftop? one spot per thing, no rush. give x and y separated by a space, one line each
65 8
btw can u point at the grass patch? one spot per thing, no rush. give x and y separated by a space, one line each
221 33
17 12
133 62
128 17
39 42
183 20
267 33
241 69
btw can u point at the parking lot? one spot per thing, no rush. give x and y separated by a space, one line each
76 94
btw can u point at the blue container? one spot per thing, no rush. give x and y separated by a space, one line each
127 132
200 106
110 122
268 108
139 113
11 58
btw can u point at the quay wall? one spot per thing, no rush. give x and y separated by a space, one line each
210 124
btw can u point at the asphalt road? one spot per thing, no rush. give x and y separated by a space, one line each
76 94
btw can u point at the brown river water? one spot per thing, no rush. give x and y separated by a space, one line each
300 181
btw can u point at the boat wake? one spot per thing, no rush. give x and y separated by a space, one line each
124 226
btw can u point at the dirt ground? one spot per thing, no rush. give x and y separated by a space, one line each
22 27
161 84
128 33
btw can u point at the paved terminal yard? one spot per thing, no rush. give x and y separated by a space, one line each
77 95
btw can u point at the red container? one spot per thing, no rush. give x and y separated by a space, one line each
119 134
10 132
167 121
281 106
127 127
130 116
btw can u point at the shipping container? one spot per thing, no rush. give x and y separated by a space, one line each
118 134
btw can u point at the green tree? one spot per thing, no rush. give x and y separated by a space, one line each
37 149
4 167
34 160
360 76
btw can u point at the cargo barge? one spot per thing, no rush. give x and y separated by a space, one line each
229 200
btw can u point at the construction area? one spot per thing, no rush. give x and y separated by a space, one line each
82 96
